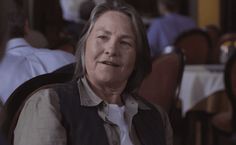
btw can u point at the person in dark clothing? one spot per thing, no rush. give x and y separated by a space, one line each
4 6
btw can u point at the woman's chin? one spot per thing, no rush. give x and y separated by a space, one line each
111 80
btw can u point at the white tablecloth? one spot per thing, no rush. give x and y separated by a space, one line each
200 81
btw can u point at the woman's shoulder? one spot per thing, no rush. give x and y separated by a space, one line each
40 117
42 97
45 95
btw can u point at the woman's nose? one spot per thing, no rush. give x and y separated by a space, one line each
111 48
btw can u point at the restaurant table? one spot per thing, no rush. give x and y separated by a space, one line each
199 82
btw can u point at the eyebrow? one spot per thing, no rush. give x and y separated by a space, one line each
104 31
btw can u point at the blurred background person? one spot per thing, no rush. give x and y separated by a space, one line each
36 39
22 61
70 8
72 31
164 30
4 6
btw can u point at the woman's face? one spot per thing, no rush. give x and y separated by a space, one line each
110 51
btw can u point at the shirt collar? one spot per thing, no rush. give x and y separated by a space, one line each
15 43
87 96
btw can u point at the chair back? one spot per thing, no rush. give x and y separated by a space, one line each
195 44
18 98
215 34
67 69
162 85
230 85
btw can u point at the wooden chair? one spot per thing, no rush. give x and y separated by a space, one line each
162 85
215 34
67 69
197 129
18 98
195 44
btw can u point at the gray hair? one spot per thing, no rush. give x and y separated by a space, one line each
143 59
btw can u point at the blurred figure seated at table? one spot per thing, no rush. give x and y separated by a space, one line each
4 6
73 30
22 61
164 30
36 39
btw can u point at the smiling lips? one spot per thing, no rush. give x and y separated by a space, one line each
110 63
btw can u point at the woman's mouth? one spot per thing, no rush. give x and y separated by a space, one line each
110 63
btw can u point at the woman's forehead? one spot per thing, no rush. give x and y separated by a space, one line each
112 15
112 21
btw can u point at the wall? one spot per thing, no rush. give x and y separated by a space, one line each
208 12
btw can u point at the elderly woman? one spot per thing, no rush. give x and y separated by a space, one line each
99 107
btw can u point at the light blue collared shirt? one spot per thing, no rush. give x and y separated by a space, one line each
22 62
163 31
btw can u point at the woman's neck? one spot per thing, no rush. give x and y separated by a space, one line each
108 92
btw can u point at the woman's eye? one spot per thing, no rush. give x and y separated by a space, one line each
126 43
103 37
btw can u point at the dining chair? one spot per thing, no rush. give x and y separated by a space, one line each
67 69
196 46
197 122
215 33
17 99
162 85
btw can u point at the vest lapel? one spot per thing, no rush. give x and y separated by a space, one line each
90 128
